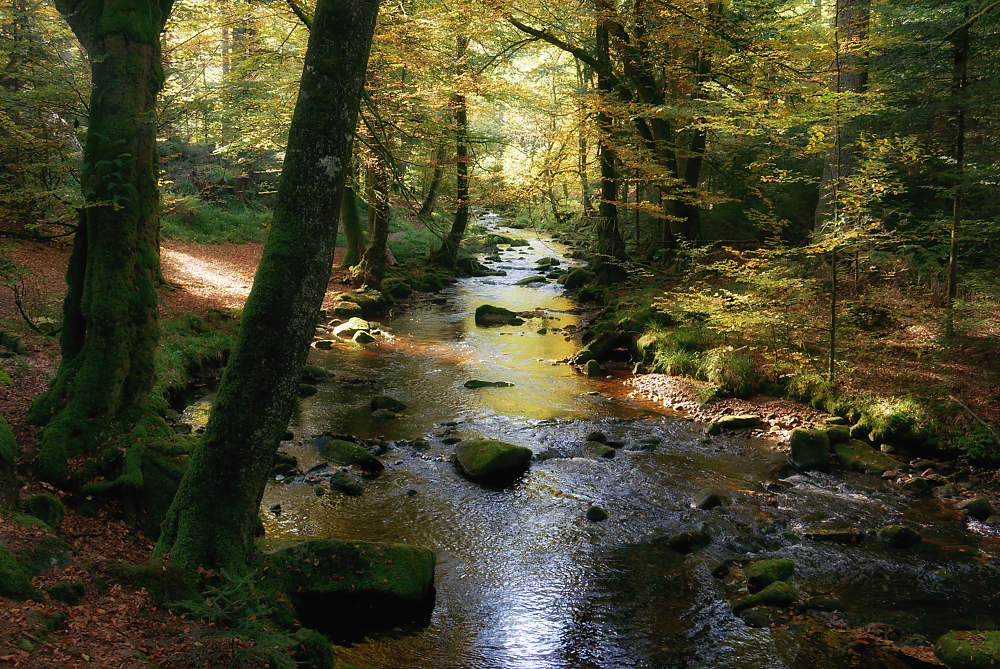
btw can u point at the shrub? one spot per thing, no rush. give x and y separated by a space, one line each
676 362
729 370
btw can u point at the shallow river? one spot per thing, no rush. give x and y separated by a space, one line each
524 580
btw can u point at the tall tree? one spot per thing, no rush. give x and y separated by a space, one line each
110 332
212 516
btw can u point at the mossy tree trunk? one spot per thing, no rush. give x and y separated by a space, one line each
432 193
110 331
211 520
351 218
611 245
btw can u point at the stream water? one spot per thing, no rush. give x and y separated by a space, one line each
524 580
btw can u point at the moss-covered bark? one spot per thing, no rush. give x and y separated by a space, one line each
211 521
8 468
351 219
110 337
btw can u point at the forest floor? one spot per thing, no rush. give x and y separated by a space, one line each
120 626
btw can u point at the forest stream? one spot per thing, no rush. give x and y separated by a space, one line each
525 581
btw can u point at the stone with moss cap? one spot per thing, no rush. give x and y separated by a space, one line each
347 453
46 508
837 434
861 457
899 536
969 650
322 576
740 422
763 573
810 449
487 315
778 593
978 508
488 458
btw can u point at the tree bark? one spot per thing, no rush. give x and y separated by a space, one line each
610 243
110 308
850 76
371 269
960 82
211 520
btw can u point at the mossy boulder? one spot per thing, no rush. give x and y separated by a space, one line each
332 581
593 368
487 458
596 514
312 650
347 309
527 281
599 437
386 403
708 498
307 390
899 536
346 484
837 434
763 573
739 422
489 315
577 277
978 508
778 593
352 327
15 578
861 457
46 508
685 542
8 467
347 453
969 650
68 592
810 449
599 450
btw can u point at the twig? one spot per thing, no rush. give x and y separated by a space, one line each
973 414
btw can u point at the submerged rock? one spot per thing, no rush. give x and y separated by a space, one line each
685 542
474 383
347 453
382 414
763 573
596 514
487 315
810 449
850 535
899 536
969 650
487 458
386 403
708 498
599 449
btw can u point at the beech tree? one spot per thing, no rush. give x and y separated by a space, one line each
212 517
109 332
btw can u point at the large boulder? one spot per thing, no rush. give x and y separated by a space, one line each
978 508
837 434
487 458
778 593
335 581
386 403
347 453
15 578
46 508
969 650
487 315
576 278
810 449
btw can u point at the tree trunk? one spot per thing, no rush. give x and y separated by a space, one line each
960 82
211 519
583 75
850 76
371 269
611 246
448 252
351 218
109 341
435 187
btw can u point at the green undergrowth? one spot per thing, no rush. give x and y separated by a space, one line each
188 344
190 219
